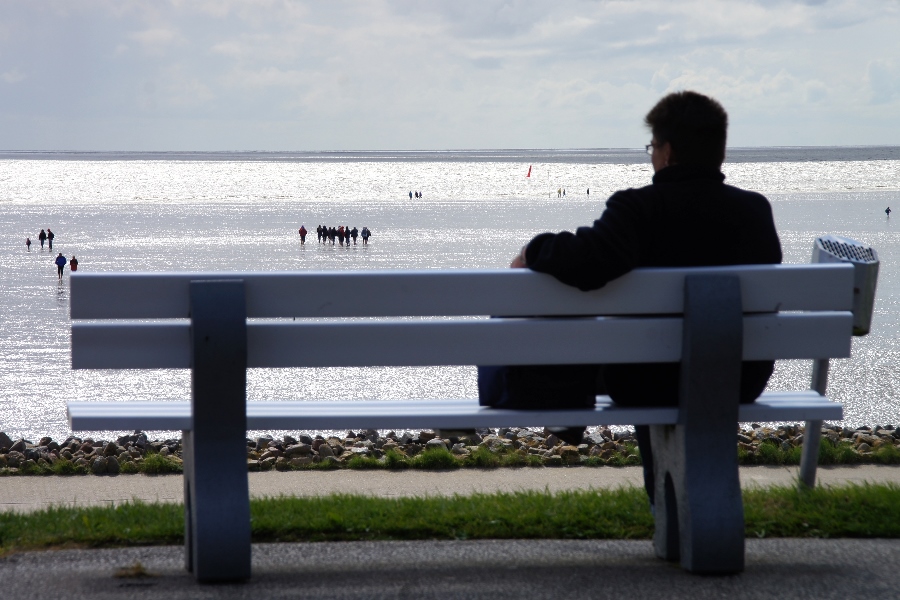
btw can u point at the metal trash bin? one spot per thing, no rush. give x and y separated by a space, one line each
831 248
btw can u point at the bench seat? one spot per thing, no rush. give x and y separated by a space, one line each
430 414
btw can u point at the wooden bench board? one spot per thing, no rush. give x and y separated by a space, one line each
459 342
428 414
386 293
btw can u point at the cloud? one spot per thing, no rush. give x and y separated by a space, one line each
883 77
157 41
12 76
404 73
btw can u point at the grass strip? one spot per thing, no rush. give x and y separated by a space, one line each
845 511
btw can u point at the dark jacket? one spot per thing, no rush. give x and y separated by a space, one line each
687 217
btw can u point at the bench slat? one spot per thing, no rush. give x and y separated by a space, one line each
447 414
311 294
469 342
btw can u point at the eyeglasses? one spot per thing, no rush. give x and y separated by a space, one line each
649 148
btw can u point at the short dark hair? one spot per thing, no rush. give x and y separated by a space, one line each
695 125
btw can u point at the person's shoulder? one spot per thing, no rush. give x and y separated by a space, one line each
745 195
631 195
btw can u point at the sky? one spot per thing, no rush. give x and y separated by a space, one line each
273 75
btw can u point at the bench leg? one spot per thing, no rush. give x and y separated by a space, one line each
699 509
809 460
217 495
812 435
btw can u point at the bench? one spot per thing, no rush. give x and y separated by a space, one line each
708 319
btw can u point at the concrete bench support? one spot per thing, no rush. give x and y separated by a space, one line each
699 512
216 488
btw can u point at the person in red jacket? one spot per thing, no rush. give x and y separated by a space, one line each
302 235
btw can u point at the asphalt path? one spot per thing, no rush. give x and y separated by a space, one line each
532 569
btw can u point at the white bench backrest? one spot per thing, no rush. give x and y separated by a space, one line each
820 326
312 294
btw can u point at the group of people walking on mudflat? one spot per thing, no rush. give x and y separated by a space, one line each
43 236
60 261
342 234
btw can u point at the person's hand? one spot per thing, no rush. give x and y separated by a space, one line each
519 261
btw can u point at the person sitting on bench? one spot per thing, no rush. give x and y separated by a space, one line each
687 217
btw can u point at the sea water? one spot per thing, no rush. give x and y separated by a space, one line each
241 211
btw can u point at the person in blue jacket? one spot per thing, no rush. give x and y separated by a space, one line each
60 263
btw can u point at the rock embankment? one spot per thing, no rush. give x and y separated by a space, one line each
485 448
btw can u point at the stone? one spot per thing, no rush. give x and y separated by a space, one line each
164 451
288 440
552 441
263 441
304 439
864 447
112 465
301 461
18 446
81 462
44 441
5 441
98 466
15 459
552 461
298 450
426 436
325 450
569 454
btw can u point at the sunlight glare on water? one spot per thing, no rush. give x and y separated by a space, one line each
243 215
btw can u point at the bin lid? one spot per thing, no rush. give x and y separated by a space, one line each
847 249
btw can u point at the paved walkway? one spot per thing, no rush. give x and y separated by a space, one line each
31 493
495 569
